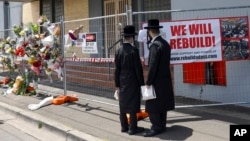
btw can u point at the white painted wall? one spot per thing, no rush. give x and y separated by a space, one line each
237 72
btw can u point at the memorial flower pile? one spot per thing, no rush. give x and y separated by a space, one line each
39 50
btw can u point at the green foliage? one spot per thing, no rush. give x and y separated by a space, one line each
40 124
11 83
34 28
22 90
17 29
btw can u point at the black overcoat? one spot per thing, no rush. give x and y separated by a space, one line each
159 77
128 77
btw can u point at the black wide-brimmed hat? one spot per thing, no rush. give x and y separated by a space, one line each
129 30
153 23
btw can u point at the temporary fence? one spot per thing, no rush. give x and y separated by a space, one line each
89 66
187 77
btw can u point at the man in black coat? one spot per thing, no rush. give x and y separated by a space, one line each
128 80
159 77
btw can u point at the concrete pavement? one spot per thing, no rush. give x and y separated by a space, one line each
9 133
94 118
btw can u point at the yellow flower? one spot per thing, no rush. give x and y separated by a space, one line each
2 45
22 33
31 60
48 71
9 50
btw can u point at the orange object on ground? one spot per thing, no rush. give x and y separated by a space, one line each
63 99
30 88
140 116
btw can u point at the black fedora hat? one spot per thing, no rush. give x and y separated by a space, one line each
129 30
153 23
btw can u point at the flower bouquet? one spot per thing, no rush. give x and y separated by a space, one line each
38 50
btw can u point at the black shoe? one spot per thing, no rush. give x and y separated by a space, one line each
137 130
150 133
124 130
163 129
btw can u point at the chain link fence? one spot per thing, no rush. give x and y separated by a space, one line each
89 67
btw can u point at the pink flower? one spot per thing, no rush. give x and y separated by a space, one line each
40 20
36 70
56 65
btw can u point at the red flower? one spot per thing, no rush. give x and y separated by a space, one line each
25 44
20 51
36 63
47 57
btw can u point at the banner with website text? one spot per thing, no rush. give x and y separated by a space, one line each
206 40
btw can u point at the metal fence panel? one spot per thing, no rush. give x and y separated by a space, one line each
92 73
237 79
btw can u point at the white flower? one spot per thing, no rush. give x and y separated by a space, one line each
8 39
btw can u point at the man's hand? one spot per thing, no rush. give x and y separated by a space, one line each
117 89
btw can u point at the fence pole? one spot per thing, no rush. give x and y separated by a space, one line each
6 18
63 56
129 15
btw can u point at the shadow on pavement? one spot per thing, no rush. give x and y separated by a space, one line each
228 113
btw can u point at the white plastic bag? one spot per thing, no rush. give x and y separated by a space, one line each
148 93
44 102
116 94
49 40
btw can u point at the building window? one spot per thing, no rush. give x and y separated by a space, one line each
53 10
212 73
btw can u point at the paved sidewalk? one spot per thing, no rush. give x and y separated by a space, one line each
94 118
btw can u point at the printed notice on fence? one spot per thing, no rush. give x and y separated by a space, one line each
89 44
81 40
194 41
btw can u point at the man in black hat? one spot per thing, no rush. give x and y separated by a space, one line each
128 80
159 78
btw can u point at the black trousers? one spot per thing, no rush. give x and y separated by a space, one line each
158 120
124 121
